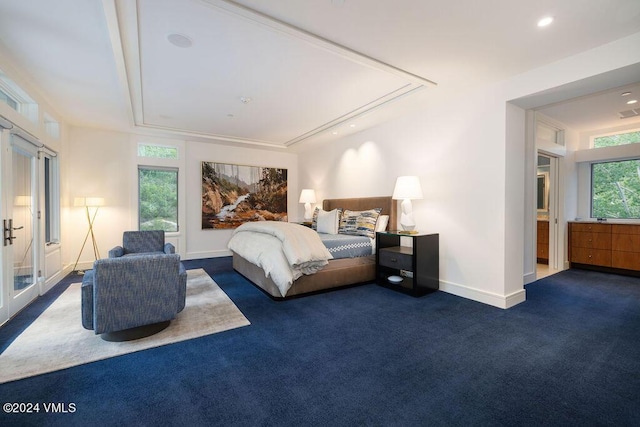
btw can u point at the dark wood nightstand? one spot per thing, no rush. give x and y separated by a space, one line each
418 265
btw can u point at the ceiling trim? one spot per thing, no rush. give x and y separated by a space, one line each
112 18
252 15
373 105
123 24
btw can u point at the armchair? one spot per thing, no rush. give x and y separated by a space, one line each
128 298
142 243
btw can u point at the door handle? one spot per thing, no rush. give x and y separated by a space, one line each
7 232
17 228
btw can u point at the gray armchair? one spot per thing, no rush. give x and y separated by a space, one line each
132 297
142 243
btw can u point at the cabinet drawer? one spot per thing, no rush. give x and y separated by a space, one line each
592 227
625 242
625 229
396 257
626 260
591 256
581 239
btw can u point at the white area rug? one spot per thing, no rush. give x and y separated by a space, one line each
56 340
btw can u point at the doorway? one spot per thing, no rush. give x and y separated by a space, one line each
19 259
547 204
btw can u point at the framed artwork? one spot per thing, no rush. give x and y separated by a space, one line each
235 194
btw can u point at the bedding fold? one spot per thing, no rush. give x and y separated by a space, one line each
285 251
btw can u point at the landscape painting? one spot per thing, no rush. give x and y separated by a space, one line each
235 194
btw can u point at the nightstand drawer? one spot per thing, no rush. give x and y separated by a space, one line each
396 257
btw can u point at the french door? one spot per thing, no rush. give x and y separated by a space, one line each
19 160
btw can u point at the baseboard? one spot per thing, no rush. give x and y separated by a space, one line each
530 278
490 298
207 254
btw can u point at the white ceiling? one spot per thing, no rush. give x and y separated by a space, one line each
311 68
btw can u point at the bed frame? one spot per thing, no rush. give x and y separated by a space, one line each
340 272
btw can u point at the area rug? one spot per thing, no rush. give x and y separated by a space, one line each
56 339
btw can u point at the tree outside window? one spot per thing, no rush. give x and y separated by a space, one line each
158 198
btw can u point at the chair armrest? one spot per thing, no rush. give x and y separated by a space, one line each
169 248
116 252
87 300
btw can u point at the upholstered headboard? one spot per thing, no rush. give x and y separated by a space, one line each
388 205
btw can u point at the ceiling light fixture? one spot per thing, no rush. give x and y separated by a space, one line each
625 94
245 99
632 101
545 21
180 40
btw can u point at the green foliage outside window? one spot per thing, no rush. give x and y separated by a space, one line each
619 139
157 151
158 199
616 189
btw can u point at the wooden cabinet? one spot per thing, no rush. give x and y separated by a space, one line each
607 247
625 246
543 242
416 267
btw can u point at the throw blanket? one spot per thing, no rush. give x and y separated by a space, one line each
285 251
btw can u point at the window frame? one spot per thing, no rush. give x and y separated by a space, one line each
50 211
591 188
161 169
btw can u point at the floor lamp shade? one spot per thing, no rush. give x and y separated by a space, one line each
407 188
307 196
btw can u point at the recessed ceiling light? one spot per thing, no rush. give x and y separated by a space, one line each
625 94
545 21
180 40
352 125
335 132
632 101
245 99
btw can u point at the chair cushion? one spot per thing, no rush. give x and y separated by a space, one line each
143 241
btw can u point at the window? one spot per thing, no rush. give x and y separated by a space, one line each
615 189
4 97
51 200
16 98
157 151
616 139
158 198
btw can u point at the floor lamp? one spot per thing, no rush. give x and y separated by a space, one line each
89 202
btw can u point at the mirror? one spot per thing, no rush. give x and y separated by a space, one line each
543 192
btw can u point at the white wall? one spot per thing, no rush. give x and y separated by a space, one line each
210 243
104 164
472 163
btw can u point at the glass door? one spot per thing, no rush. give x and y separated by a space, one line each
19 258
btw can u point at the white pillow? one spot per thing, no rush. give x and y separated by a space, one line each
381 225
328 221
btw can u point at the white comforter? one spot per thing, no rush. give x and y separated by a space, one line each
285 251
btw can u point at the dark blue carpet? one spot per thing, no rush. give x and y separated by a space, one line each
569 355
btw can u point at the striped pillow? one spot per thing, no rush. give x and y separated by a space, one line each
360 223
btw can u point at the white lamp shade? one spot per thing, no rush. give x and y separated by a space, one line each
22 201
307 196
88 201
407 187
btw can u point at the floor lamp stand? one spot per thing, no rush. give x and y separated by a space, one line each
96 252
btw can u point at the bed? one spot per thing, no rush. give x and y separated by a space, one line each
338 272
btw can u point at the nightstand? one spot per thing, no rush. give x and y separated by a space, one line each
413 268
